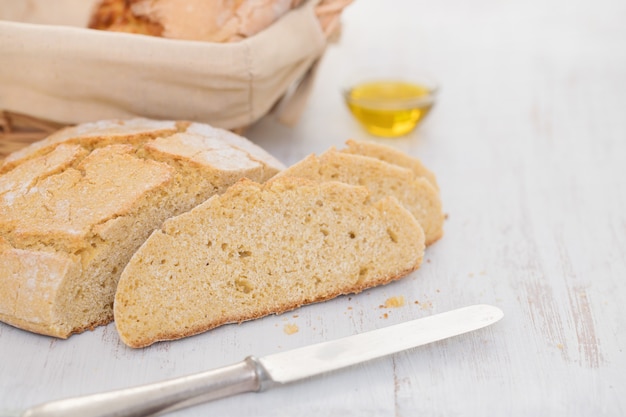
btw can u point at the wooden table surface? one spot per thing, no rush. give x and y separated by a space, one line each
528 141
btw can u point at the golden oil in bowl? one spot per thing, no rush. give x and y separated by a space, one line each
390 108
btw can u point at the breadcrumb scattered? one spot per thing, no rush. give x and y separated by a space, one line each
394 302
291 328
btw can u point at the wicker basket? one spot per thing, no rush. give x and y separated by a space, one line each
58 73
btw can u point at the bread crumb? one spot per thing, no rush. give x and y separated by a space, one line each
290 328
385 316
394 302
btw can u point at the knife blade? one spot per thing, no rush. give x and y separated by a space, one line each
273 370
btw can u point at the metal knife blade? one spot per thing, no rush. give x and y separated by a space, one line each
254 374
324 357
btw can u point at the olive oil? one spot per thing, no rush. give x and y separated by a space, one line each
390 108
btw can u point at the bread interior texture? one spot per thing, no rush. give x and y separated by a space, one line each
258 250
416 193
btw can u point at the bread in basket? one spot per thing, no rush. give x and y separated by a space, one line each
56 69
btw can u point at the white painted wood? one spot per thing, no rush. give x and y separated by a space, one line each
529 145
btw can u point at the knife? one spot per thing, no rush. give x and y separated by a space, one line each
254 374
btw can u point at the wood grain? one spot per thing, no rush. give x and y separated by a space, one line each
20 130
528 140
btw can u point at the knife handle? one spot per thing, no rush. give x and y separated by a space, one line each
161 397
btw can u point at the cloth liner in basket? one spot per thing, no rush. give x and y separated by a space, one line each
68 74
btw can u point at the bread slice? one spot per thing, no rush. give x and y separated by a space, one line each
75 207
262 249
417 194
391 155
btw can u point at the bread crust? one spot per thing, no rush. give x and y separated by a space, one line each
392 156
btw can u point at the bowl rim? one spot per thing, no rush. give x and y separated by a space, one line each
429 99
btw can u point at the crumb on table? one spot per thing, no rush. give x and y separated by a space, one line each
290 328
394 302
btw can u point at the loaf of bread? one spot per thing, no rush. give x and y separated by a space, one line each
416 193
262 249
75 207
201 20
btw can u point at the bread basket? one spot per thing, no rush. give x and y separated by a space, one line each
56 72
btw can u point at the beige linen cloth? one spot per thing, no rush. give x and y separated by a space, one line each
53 68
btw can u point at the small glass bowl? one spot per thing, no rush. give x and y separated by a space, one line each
391 106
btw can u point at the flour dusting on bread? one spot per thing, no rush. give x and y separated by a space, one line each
75 207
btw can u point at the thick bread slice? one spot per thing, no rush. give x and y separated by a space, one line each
74 208
391 155
262 249
417 194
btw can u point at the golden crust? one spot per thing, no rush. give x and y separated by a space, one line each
117 16
392 156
